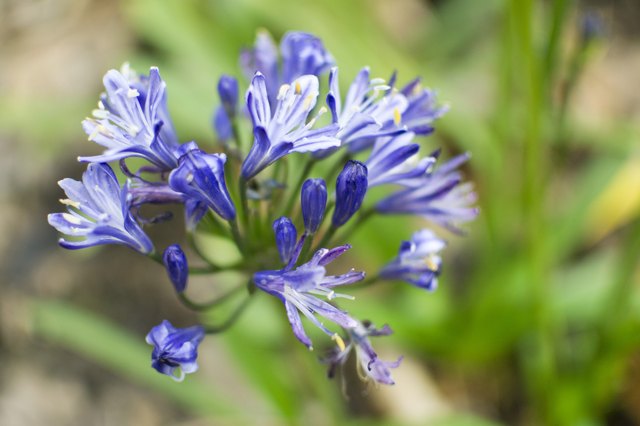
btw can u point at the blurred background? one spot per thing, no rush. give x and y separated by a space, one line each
537 318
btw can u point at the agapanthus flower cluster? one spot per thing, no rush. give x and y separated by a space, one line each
288 221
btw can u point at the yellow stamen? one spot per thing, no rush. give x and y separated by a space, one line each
298 88
68 202
396 116
336 338
431 263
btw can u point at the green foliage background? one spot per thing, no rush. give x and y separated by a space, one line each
538 301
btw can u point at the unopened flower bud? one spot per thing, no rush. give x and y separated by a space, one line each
286 236
351 188
313 200
175 262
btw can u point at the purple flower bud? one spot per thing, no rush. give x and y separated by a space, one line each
175 348
200 177
175 262
286 236
228 92
351 188
313 200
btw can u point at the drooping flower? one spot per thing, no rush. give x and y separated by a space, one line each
286 130
200 177
302 54
98 212
132 120
298 290
418 262
313 202
286 236
175 262
392 161
369 365
175 350
439 197
351 187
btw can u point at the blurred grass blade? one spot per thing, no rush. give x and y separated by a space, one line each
103 342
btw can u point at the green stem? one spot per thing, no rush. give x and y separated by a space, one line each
197 306
326 238
298 185
235 231
337 166
364 216
242 188
215 329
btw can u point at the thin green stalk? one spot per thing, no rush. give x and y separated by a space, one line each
333 172
242 188
215 329
295 190
235 231
363 217
541 373
326 238
204 306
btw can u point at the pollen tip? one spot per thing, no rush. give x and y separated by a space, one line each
336 338
298 88
397 117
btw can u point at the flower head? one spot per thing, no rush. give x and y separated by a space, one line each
200 177
438 196
175 348
369 365
132 120
175 262
298 290
98 212
418 262
351 187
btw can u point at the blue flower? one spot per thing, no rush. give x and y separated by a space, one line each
132 120
302 54
286 235
175 348
200 177
370 110
175 262
439 197
228 92
394 160
422 109
351 187
368 364
418 262
298 290
286 129
98 212
313 202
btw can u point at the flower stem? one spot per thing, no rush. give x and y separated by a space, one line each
215 329
296 188
235 231
196 306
